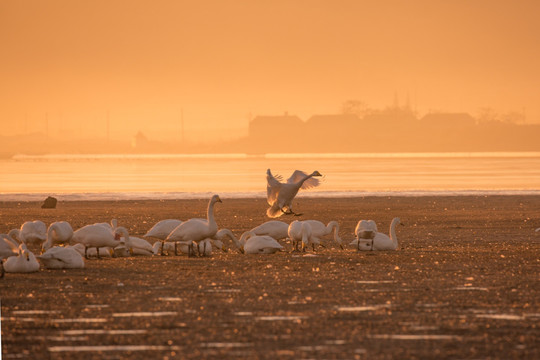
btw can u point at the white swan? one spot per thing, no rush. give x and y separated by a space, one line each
24 262
139 246
91 252
205 246
31 232
8 246
98 236
59 232
193 230
162 228
300 231
319 230
273 228
280 195
381 241
365 229
260 244
59 257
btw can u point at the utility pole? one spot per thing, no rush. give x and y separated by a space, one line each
182 135
108 128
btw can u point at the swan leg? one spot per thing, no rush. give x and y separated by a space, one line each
97 252
162 246
2 271
176 247
86 252
204 249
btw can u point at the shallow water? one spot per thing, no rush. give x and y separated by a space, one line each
166 176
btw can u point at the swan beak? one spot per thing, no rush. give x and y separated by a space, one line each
241 249
27 257
131 251
224 249
117 236
111 251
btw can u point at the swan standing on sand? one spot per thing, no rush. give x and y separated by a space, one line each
273 228
319 230
280 195
24 262
163 228
59 257
381 241
31 232
300 231
98 236
59 232
365 229
193 230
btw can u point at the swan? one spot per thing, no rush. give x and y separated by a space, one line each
205 246
300 231
162 228
59 257
280 195
168 248
138 245
260 244
98 236
319 230
273 228
365 229
24 262
8 246
31 232
91 252
194 230
59 232
381 241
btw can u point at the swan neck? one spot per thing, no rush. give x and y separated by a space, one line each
393 235
333 225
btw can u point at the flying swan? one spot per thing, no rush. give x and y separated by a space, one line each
280 195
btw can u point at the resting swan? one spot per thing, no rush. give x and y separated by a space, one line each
24 262
8 246
280 195
59 257
260 244
59 232
381 241
193 230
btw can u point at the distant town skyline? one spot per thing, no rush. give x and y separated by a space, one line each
221 63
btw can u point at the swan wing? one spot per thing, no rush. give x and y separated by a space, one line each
273 187
298 176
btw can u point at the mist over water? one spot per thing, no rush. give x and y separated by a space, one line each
79 177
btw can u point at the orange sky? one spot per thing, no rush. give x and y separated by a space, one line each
219 61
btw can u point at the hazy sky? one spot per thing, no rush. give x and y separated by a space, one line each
220 61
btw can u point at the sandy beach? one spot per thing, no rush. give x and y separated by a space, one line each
463 284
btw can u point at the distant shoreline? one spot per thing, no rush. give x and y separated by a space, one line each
72 197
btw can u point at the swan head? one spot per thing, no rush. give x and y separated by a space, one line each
216 199
316 173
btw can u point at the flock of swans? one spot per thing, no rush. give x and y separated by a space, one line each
64 248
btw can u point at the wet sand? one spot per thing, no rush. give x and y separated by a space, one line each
464 284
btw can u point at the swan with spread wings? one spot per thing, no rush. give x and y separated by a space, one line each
281 194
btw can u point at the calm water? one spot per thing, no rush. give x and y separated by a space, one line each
72 177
